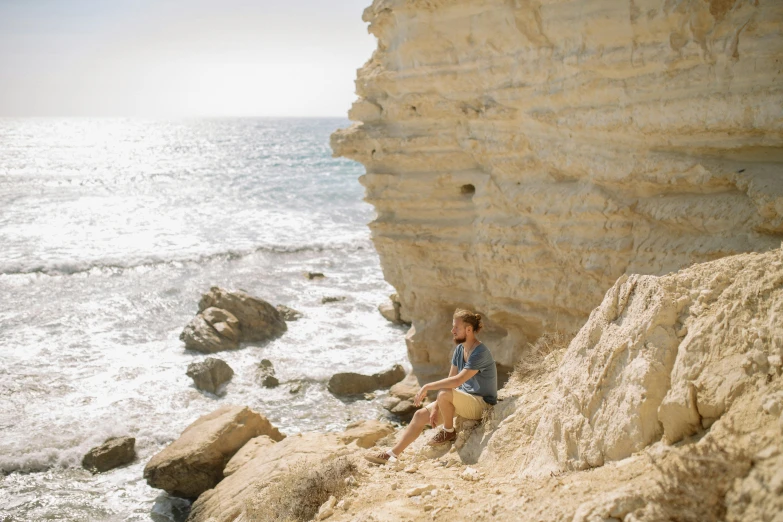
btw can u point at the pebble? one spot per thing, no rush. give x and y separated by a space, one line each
420 489
772 406
327 509
470 474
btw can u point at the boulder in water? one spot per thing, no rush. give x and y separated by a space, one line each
267 374
349 383
204 336
194 462
258 320
113 453
210 374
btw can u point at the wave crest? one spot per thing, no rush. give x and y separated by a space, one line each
115 266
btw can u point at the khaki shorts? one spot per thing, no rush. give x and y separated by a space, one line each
466 405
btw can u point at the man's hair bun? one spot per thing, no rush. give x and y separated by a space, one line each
471 318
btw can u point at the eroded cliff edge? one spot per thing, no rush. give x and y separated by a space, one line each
523 155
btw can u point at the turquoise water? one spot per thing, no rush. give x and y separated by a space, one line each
110 232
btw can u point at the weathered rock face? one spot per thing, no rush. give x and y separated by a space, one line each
522 155
392 311
663 357
194 462
350 383
114 452
210 374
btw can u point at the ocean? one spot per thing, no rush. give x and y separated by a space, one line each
110 231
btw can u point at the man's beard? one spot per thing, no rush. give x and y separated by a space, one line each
458 340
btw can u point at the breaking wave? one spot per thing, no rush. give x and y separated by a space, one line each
116 266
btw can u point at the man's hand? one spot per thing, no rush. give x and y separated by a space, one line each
420 396
434 415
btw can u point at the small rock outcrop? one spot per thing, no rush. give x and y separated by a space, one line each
400 399
210 374
332 299
266 373
288 313
355 383
366 432
113 453
392 311
195 461
226 319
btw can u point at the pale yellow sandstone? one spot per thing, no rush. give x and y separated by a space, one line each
366 432
228 500
522 155
252 448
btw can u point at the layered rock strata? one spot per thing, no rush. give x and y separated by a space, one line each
522 155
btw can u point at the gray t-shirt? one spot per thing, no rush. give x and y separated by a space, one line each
485 382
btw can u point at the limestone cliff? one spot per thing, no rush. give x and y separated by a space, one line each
522 154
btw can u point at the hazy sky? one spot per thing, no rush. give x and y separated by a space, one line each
180 57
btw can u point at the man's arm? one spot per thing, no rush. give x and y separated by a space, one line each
452 381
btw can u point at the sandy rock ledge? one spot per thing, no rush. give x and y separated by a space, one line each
195 461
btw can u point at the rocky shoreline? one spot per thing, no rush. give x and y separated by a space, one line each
666 403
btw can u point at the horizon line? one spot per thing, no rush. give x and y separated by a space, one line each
180 117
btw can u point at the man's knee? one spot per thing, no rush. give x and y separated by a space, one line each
421 416
446 395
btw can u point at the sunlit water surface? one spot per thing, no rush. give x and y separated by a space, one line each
110 231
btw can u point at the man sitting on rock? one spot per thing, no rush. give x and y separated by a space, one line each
468 390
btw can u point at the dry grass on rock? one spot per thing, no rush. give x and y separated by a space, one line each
692 483
297 495
538 357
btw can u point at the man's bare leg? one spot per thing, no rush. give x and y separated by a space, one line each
414 429
446 407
